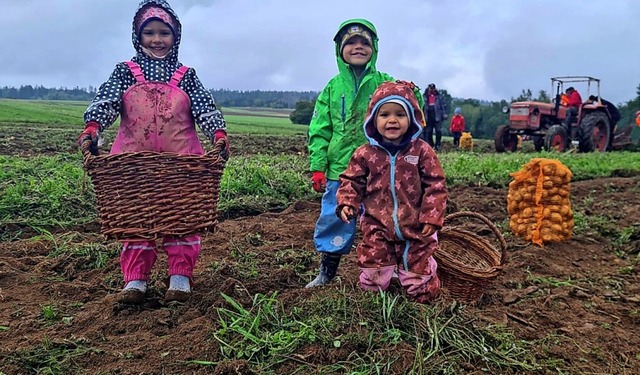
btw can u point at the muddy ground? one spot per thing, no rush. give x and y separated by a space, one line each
581 296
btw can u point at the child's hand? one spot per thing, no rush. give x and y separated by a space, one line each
347 213
428 230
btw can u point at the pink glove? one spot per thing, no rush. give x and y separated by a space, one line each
221 134
90 133
319 181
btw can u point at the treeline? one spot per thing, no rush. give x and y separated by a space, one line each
259 98
29 92
224 97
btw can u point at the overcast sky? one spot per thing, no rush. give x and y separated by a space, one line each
483 49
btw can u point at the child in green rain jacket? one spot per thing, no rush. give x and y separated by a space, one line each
336 131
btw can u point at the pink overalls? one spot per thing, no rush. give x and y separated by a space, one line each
156 116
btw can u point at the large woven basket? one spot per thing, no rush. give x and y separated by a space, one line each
146 195
468 262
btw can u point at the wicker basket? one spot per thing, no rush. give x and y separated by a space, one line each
146 195
467 262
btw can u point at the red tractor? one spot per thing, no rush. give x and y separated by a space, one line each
591 128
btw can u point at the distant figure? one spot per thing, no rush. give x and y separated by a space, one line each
398 179
160 102
574 101
336 131
436 112
457 126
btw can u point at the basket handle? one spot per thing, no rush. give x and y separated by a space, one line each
85 147
484 219
218 146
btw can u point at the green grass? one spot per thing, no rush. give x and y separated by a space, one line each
436 338
42 111
51 191
27 115
495 169
52 358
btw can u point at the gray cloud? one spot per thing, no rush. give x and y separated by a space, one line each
487 50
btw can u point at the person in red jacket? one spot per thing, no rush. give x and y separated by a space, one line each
574 102
457 126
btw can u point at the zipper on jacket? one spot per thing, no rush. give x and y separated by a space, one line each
394 196
396 223
343 112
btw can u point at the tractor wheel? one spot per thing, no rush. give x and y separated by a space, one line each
556 139
505 141
538 142
594 132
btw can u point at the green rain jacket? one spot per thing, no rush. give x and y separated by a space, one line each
336 129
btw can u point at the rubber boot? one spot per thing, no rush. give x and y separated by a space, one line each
133 292
179 289
328 269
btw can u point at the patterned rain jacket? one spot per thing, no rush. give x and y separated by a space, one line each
401 187
106 106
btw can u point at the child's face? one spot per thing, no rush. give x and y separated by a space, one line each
357 51
392 122
157 37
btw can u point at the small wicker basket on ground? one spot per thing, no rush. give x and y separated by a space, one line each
146 195
467 262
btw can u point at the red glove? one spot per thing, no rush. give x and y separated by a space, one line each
90 133
319 181
221 134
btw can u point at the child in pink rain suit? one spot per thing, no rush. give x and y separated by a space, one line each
398 180
159 101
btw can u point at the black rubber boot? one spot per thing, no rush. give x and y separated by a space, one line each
328 269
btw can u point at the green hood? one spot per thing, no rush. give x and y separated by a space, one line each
343 67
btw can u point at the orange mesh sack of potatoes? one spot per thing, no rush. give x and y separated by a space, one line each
538 202
466 141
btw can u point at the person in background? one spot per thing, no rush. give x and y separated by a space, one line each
336 131
160 102
457 126
398 179
574 101
436 112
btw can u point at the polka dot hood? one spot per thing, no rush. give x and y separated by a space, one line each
142 16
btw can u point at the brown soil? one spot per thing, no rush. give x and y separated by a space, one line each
589 316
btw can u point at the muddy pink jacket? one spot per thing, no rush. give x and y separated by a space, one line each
108 102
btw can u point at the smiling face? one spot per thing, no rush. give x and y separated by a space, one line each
357 51
157 37
392 122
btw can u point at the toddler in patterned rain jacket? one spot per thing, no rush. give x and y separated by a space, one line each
398 179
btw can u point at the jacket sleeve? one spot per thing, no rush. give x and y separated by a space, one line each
416 90
353 182
203 107
106 105
320 132
434 189
443 107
